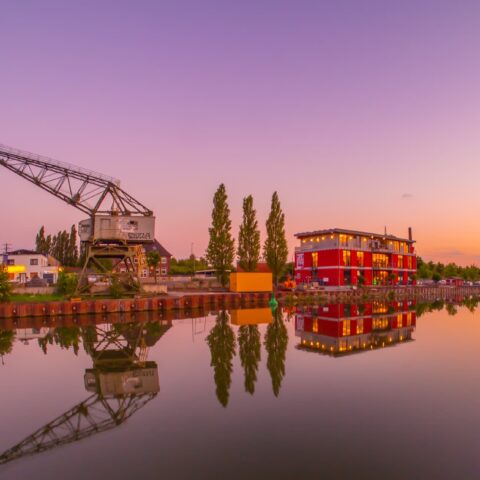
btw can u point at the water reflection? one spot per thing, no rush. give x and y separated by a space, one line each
221 341
250 355
339 329
121 380
258 345
276 342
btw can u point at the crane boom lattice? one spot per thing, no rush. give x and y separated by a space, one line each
90 192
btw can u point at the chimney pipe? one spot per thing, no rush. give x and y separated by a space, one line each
410 233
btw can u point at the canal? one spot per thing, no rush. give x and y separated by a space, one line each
378 390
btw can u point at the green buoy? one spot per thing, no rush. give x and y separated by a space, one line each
273 301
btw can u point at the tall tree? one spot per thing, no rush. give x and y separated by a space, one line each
221 341
72 247
221 249
249 237
276 247
249 349
40 241
276 342
48 245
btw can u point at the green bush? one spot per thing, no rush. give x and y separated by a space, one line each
67 283
5 287
116 289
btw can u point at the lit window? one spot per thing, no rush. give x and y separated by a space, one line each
359 326
360 259
315 260
315 326
346 257
399 320
400 261
345 327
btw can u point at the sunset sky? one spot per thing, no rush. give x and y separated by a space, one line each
361 114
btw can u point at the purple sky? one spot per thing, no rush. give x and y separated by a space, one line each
360 113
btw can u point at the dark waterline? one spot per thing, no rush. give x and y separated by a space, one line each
336 391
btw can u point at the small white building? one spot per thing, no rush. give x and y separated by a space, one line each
26 265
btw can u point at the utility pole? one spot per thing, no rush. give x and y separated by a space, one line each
192 255
6 248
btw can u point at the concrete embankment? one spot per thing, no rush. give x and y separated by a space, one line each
216 301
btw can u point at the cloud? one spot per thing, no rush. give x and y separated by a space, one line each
407 195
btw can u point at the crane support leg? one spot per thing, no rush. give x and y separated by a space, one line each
111 261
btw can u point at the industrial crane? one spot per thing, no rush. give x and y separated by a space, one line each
118 224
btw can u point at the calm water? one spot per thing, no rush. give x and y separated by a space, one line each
371 391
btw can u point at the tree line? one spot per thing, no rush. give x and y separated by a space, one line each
221 247
438 271
62 246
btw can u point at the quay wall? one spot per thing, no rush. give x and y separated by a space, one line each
215 301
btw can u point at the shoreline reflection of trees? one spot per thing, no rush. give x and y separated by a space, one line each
7 337
221 341
65 337
276 342
451 307
70 337
249 348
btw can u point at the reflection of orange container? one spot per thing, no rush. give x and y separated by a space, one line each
251 316
250 282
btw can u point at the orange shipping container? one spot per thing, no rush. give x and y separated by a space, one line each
250 282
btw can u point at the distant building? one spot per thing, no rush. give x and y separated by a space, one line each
163 269
454 281
145 271
340 257
27 265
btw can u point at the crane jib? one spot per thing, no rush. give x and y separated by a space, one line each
91 192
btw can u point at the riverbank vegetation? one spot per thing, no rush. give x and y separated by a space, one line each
438 271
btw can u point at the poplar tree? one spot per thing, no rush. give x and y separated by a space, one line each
72 247
249 237
276 248
221 250
40 242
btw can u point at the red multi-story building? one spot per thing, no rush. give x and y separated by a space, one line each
339 328
338 257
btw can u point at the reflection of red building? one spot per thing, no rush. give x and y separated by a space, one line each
338 257
339 328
